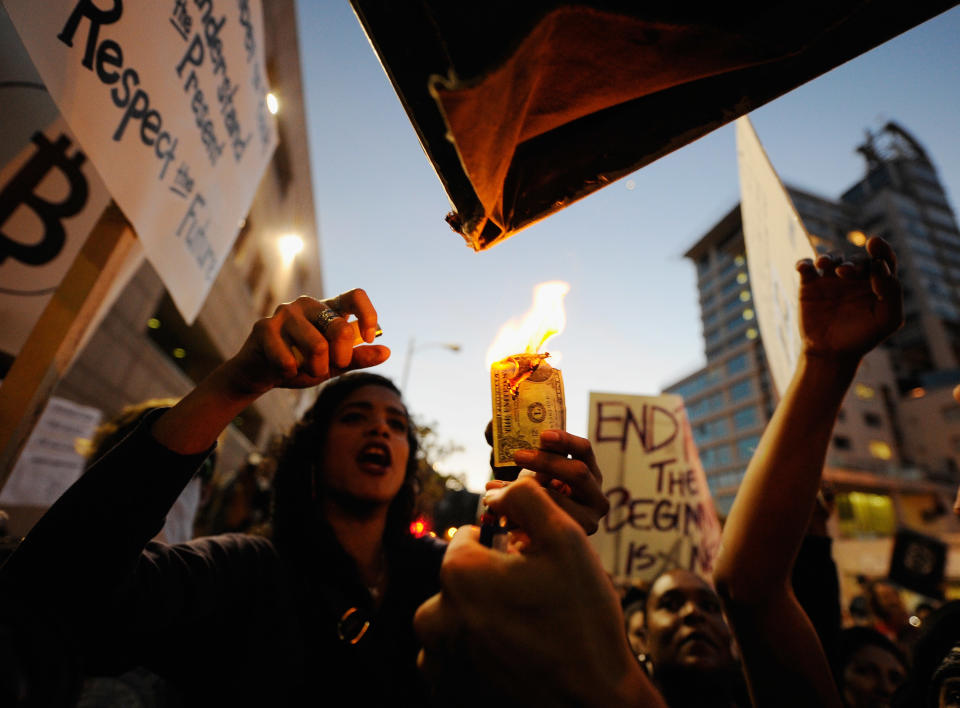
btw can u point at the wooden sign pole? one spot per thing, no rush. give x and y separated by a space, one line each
45 355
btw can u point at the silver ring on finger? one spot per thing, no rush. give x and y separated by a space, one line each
324 319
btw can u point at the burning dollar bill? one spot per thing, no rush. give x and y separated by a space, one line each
527 399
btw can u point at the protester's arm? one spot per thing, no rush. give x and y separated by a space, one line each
539 627
845 310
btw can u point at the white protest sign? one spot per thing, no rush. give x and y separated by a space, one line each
775 240
49 462
168 100
661 513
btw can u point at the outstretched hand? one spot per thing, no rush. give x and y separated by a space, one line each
295 348
541 626
848 306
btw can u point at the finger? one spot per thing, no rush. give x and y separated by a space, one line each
567 444
312 345
464 537
528 506
585 486
365 356
854 268
826 265
585 516
356 302
496 484
879 248
807 270
275 349
342 337
956 504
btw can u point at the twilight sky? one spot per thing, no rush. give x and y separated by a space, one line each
632 316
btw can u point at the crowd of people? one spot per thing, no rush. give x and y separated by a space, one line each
334 602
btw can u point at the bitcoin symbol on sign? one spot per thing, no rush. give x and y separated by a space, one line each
22 190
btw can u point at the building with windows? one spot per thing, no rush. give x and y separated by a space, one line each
896 444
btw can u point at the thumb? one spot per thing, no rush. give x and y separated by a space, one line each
527 505
367 356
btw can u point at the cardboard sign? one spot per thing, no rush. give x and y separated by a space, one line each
775 240
661 513
168 101
49 462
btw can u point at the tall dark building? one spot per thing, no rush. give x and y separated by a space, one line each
901 199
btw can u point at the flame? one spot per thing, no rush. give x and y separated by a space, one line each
529 334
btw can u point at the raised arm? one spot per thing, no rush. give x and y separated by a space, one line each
846 309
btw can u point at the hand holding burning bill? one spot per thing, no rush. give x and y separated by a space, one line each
527 392
538 626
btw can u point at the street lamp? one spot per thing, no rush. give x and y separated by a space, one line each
412 346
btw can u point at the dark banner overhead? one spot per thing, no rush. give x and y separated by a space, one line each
523 108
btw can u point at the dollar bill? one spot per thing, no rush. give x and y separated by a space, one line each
527 399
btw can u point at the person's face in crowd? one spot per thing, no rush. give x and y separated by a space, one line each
950 693
635 633
366 452
685 626
871 677
890 605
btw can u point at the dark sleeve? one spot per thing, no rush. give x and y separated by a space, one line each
89 542
817 588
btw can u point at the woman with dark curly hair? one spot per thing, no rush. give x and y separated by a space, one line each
322 612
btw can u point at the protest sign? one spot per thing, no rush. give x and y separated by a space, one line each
918 562
168 101
50 462
50 194
40 231
661 513
775 240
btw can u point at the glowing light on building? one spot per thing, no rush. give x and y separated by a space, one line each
290 246
857 238
863 391
273 105
880 449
